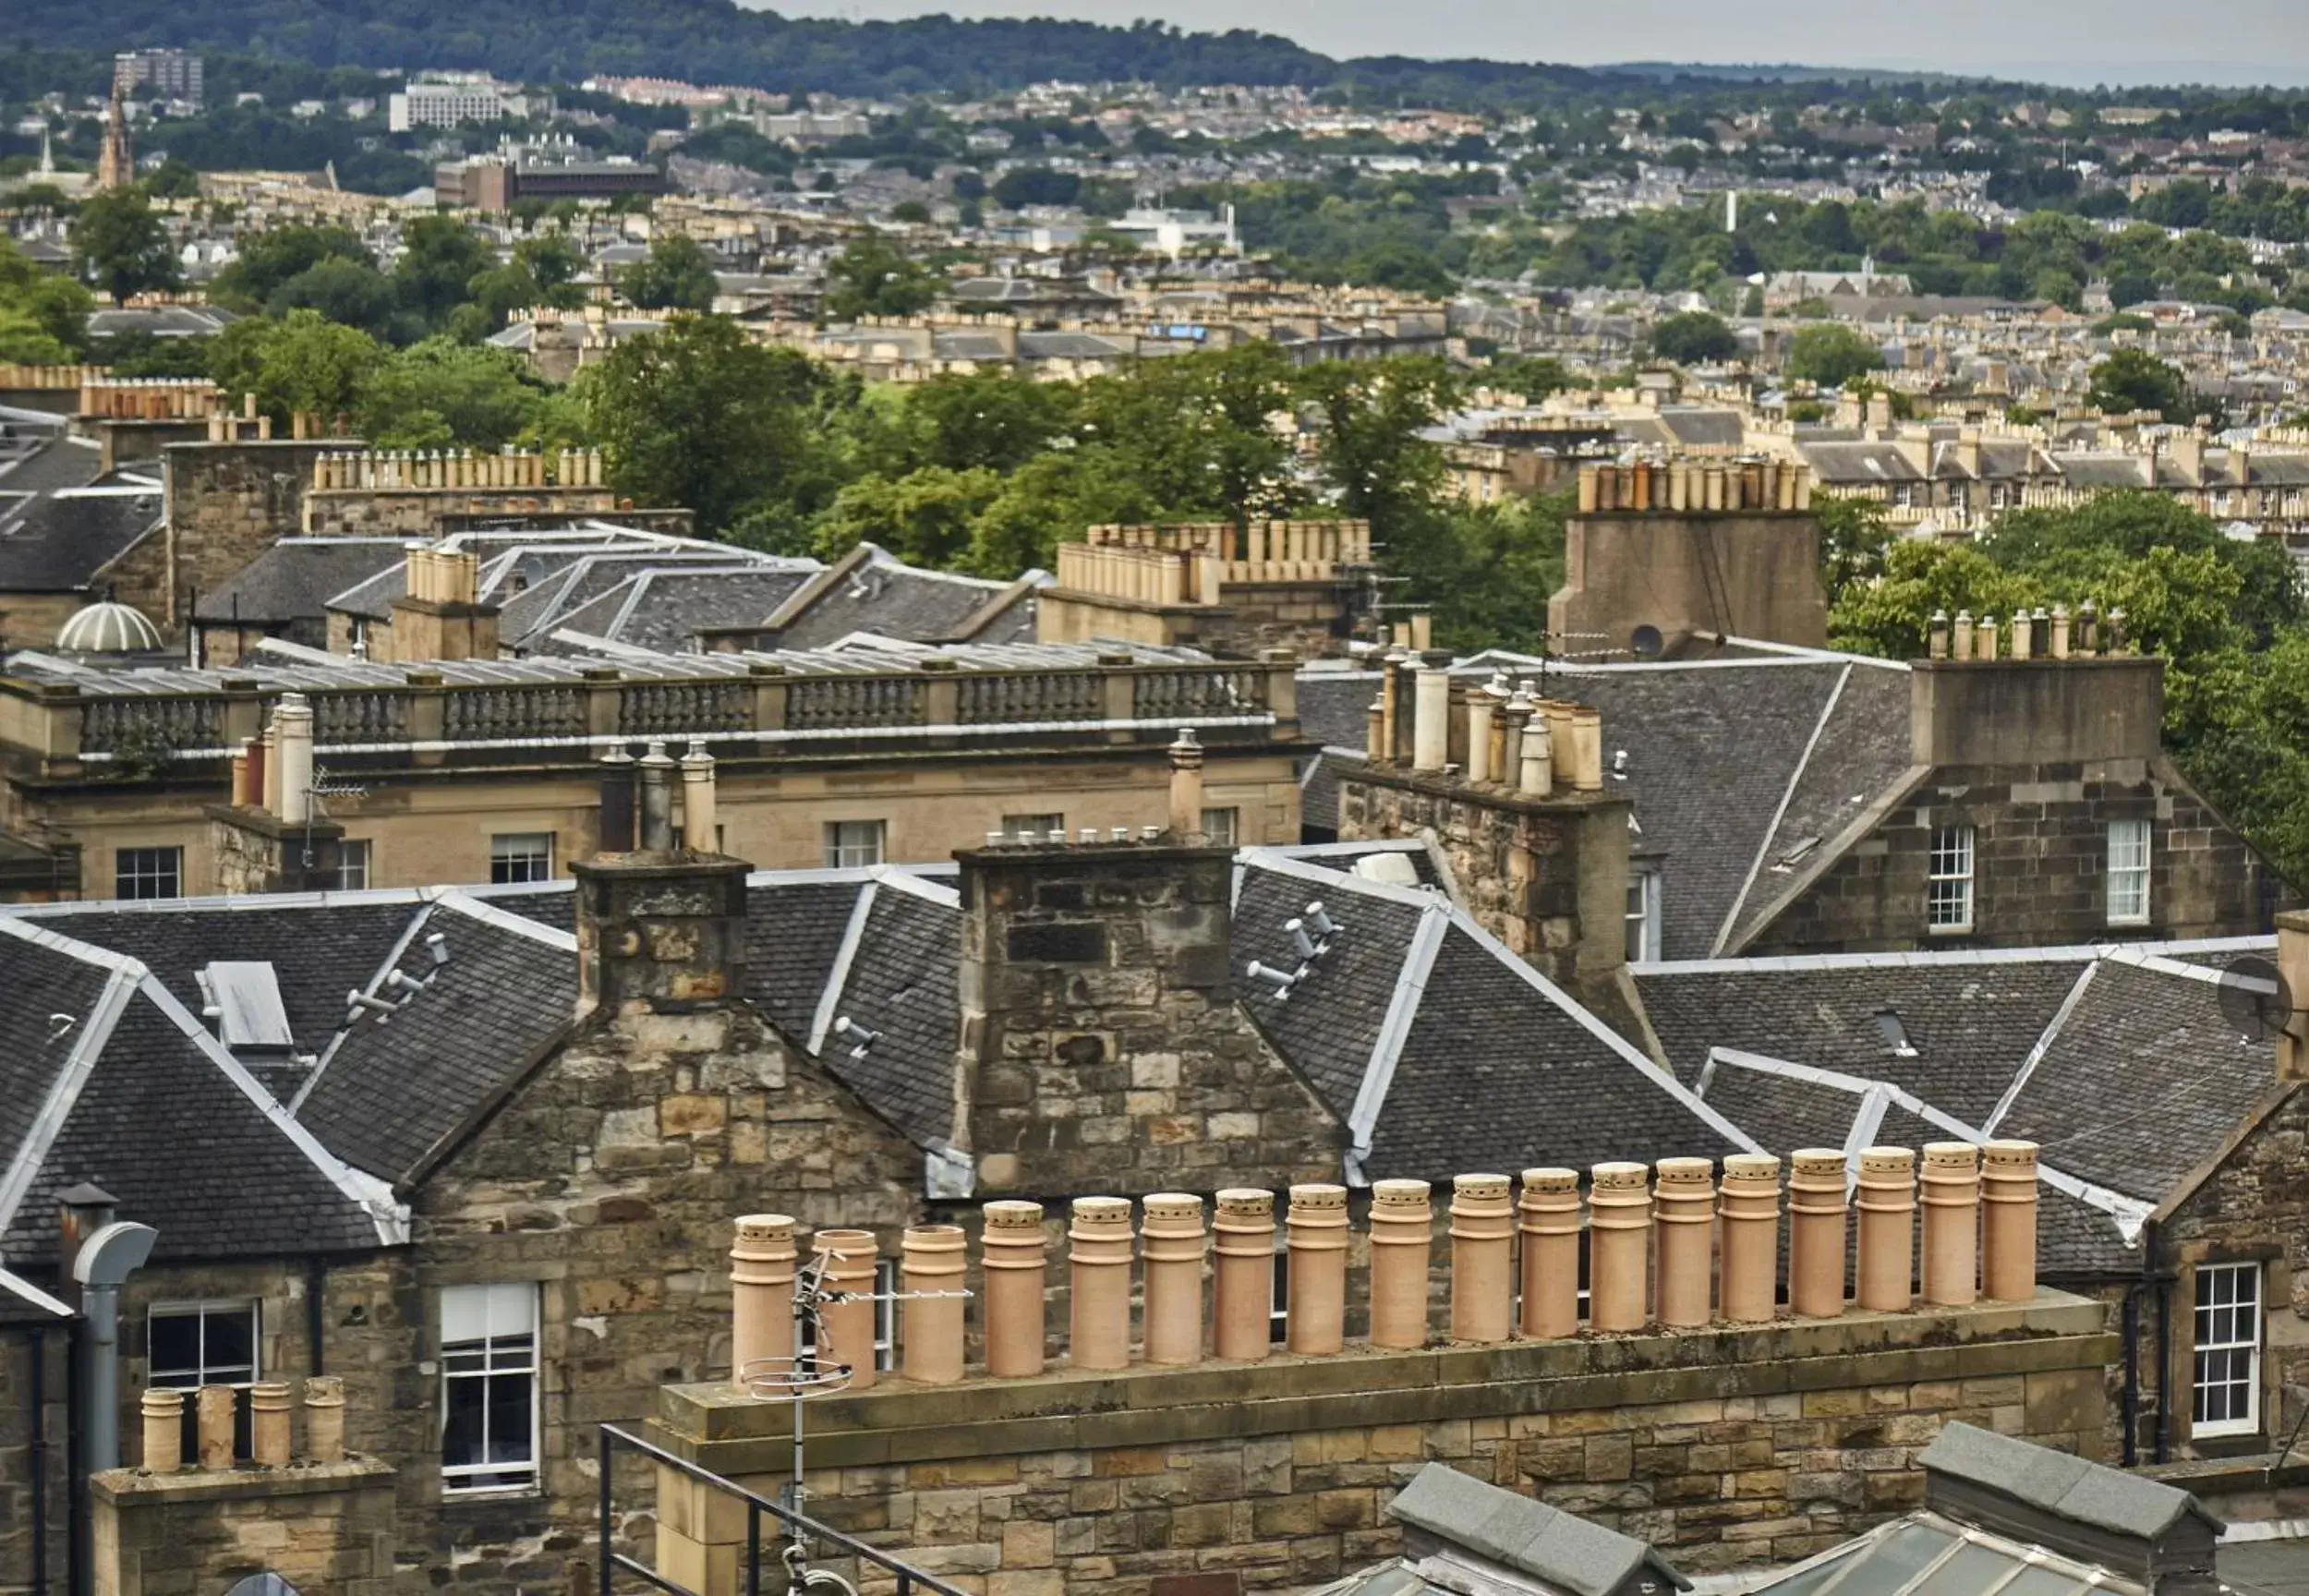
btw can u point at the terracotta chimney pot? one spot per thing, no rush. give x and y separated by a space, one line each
1315 1301
1402 1241
1888 1211
1684 1201
1173 1240
164 1431
761 1292
325 1419
2008 1189
214 1431
1548 1217
1950 1183
846 1329
1817 1221
1014 1263
1750 1205
1243 1293
1483 1268
1099 1320
269 1423
1619 1234
930 1327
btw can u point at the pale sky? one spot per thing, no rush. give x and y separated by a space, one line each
2076 42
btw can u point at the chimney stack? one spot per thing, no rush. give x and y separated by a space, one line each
698 828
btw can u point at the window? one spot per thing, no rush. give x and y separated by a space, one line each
489 1387
1031 828
1948 888
2128 872
850 844
352 866
521 857
188 1345
2227 1349
1279 1315
1222 828
1643 914
149 872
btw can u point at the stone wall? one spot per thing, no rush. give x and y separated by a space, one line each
1536 872
16 1419
2040 858
323 1526
1102 1048
1726 1448
420 512
226 504
1748 574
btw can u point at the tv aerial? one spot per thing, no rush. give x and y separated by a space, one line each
2255 998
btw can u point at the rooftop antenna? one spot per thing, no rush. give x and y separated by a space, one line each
812 1369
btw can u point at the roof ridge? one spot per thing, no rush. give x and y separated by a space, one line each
1780 813
837 973
489 913
1395 1029
2043 1045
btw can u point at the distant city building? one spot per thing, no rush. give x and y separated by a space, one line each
554 172
169 74
444 100
811 127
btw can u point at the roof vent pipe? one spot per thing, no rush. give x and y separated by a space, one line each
104 1261
617 800
698 829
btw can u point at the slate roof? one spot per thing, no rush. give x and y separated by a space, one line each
1567 1553
129 1092
901 981
295 579
62 520
394 1090
869 591
665 609
2055 1482
795 931
1441 1050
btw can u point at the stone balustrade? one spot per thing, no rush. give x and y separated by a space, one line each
429 709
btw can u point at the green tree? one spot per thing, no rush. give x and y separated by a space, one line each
440 257
344 290
677 275
926 517
872 277
698 415
43 317
2132 379
440 392
271 258
1534 376
120 244
1855 534
1892 617
1694 338
993 419
1368 418
303 362
1202 434
1830 354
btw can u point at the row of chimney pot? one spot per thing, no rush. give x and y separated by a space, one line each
268 1425
149 398
22 377
637 801
1667 1245
1694 485
1531 745
274 772
443 575
455 468
2041 635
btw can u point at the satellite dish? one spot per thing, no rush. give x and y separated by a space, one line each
2255 999
1646 643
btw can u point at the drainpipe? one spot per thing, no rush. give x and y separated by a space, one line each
104 1261
37 1454
2130 1410
2164 1347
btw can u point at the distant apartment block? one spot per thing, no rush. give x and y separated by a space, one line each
443 100
494 184
162 74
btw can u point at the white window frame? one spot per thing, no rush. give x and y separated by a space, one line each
512 857
203 1373
510 1305
1948 883
1643 914
1033 827
357 856
153 866
854 844
2225 1331
2130 845
1222 827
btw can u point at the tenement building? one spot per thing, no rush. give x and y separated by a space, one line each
505 1161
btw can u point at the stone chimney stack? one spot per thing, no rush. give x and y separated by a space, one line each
660 926
2292 968
440 616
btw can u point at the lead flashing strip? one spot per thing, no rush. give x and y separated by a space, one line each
1927 959
24 1290
837 977
418 921
1772 832
1386 1049
915 886
505 920
2043 1045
